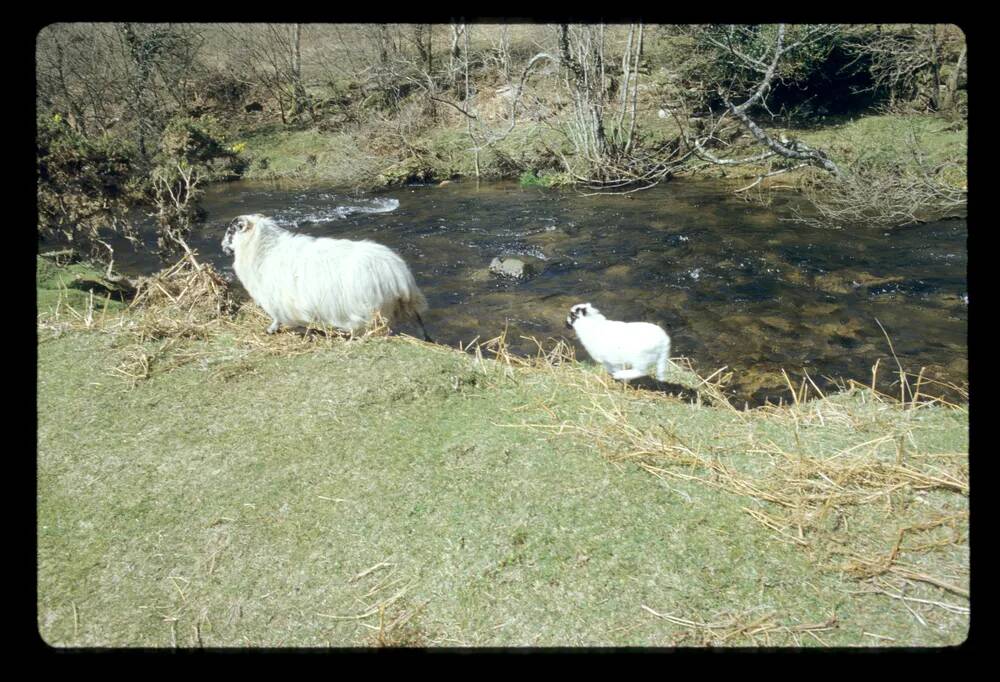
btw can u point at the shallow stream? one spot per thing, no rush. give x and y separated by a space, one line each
735 284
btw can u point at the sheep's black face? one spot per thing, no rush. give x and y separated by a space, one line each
578 311
238 225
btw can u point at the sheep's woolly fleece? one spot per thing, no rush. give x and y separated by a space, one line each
298 279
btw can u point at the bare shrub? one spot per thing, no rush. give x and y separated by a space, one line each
881 191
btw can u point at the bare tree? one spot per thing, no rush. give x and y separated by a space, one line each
128 77
791 154
910 62
481 133
603 130
269 57
157 59
77 76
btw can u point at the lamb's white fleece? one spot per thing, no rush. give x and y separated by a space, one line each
627 350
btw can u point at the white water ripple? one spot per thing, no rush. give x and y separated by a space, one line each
298 216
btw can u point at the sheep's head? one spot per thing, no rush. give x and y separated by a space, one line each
241 227
581 310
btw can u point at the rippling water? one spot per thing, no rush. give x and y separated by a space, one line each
734 283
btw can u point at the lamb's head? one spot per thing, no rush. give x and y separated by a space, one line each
582 310
239 230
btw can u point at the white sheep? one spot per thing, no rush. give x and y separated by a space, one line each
626 349
298 279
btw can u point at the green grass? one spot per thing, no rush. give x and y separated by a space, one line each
352 156
308 155
237 499
886 140
56 286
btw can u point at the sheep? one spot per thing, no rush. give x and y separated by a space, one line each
626 349
298 279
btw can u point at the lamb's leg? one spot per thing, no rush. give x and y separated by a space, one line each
626 374
273 328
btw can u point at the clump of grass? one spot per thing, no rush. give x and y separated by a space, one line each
547 179
530 178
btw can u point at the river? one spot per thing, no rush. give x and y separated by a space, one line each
735 283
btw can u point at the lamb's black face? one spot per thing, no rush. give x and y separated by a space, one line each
578 311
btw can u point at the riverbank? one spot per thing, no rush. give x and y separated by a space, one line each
357 157
201 483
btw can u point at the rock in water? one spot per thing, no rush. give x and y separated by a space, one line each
512 268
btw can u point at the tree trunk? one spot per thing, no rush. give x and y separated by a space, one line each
935 65
948 102
300 98
456 50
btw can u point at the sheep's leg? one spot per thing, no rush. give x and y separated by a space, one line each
661 367
626 374
423 331
273 328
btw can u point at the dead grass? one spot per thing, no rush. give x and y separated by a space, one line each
804 494
799 490
755 629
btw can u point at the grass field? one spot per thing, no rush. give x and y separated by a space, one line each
203 484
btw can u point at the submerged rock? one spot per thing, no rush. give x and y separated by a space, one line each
512 268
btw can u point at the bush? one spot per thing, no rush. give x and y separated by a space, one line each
896 171
823 77
200 143
85 184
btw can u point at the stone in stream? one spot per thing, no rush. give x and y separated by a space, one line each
512 268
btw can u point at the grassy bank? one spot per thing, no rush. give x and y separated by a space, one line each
348 158
70 287
201 483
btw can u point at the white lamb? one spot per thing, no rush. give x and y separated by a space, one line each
628 350
298 279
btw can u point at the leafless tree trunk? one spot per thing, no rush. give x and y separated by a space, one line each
468 102
422 36
456 51
301 99
602 129
948 101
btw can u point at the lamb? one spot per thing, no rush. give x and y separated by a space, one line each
626 349
298 279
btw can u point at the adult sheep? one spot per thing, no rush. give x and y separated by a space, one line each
298 279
